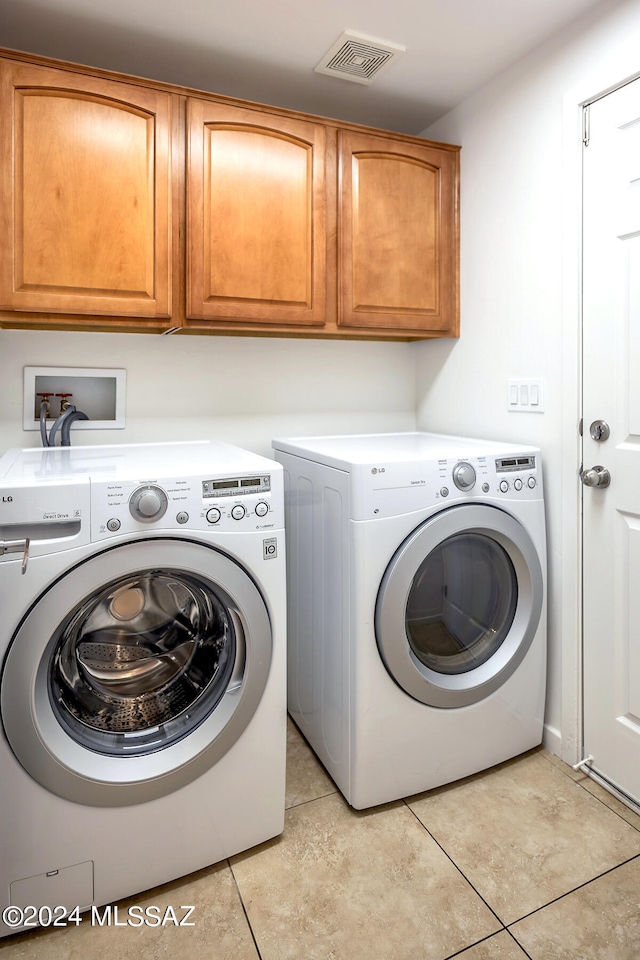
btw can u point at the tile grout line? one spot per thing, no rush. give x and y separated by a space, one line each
244 910
302 803
517 942
461 953
606 805
532 912
578 783
574 890
450 858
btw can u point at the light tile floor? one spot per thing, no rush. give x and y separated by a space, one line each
528 859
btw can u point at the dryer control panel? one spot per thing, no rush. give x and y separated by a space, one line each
389 489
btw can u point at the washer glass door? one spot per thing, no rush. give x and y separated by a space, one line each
136 671
459 605
141 662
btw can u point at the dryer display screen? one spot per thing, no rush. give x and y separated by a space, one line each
515 463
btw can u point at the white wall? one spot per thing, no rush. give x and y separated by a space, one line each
520 170
240 389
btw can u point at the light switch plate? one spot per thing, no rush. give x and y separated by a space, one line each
525 395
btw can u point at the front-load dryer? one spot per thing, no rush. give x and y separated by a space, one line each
416 578
143 691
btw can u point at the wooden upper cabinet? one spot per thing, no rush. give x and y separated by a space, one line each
84 194
256 244
126 204
397 235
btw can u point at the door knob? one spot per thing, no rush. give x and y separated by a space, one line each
599 430
596 477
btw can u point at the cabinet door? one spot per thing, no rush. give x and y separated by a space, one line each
255 216
84 194
398 235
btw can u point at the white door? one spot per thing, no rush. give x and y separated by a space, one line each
611 363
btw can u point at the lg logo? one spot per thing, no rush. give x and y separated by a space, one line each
6 499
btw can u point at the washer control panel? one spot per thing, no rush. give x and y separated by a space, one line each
233 503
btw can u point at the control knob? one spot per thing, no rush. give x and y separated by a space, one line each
213 515
148 503
464 476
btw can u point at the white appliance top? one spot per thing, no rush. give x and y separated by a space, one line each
126 461
57 498
344 452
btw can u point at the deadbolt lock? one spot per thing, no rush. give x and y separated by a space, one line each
599 430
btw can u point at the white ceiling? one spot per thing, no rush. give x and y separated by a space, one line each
265 50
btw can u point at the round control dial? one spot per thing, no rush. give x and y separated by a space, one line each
262 509
464 476
238 511
148 503
213 515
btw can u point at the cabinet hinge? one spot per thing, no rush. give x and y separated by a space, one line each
586 125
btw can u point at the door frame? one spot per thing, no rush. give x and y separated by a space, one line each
614 72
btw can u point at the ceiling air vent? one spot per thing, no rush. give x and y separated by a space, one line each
358 58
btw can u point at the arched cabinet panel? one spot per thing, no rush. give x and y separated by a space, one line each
85 195
255 216
397 235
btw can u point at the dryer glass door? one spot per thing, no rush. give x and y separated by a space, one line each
459 605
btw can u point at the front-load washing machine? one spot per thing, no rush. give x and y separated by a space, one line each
417 638
143 691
